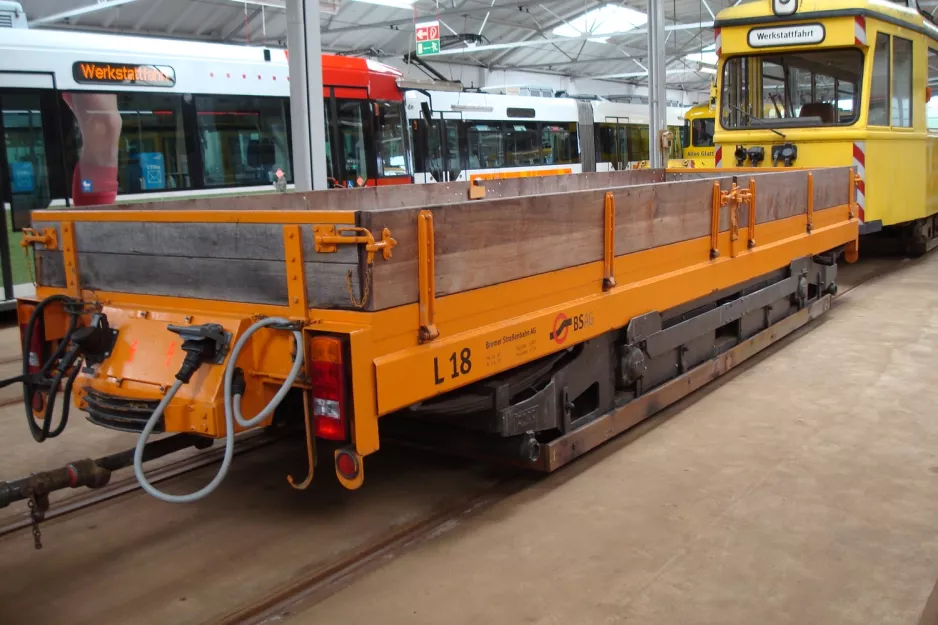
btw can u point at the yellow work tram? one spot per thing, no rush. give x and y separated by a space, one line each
698 135
809 83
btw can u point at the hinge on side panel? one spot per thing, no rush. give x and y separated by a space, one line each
48 238
328 238
733 198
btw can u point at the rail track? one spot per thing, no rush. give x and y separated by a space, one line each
75 503
325 579
328 579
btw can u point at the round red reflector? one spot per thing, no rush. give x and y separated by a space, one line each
347 464
39 402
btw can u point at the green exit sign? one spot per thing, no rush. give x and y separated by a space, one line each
428 47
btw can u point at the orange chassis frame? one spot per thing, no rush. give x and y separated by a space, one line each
403 355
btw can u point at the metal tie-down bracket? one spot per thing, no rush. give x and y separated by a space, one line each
329 237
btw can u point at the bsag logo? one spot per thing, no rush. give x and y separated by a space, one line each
563 324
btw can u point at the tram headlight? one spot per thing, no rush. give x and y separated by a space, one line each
787 153
740 155
756 155
784 7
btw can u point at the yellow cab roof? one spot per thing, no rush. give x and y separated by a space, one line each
750 12
699 110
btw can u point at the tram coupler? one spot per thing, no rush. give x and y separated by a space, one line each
91 473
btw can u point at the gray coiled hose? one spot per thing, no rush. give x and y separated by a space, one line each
232 414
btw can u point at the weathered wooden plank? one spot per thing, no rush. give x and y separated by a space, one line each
779 195
247 280
782 193
233 241
50 268
516 187
831 187
487 242
478 243
254 281
204 240
332 285
661 214
678 175
396 196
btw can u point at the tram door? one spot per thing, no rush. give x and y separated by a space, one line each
445 146
617 140
24 157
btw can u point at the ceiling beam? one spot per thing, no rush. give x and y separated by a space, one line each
709 10
560 19
90 8
635 74
680 53
526 43
242 25
142 20
409 21
143 32
111 18
582 61
182 17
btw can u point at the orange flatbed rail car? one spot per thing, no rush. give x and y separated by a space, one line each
525 319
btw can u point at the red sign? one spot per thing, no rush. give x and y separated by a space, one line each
428 31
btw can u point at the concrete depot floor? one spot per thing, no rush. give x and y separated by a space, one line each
801 491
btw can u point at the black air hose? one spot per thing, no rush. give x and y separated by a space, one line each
34 382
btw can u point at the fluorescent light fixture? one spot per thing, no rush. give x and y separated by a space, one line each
396 4
707 56
606 20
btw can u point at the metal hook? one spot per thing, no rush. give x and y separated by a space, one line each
310 447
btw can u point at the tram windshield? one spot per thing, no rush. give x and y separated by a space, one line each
793 89
702 132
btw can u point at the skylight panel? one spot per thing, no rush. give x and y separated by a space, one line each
606 20
707 56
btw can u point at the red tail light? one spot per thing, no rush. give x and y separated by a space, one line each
328 389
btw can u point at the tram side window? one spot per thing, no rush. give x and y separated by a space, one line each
931 109
26 154
435 161
637 142
486 146
144 130
675 150
803 88
327 117
243 139
879 85
902 83
560 144
606 143
702 134
521 145
352 139
390 124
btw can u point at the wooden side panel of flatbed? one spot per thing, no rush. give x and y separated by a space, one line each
527 231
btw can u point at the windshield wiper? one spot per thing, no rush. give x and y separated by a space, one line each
750 118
